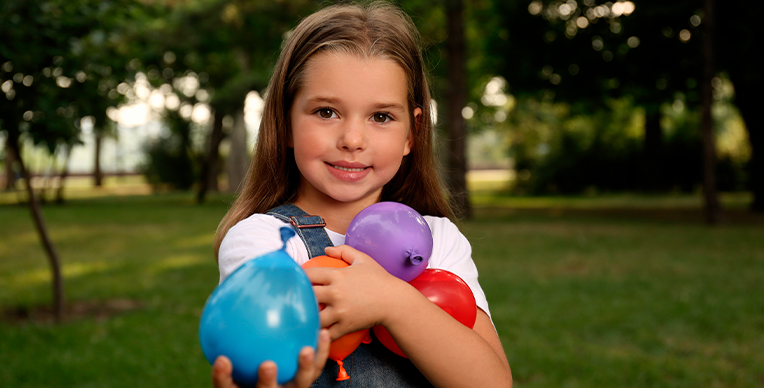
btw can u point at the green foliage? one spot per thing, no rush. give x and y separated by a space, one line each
168 164
570 153
233 44
588 51
170 160
57 65
558 150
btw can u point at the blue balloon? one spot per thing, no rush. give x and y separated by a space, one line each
265 310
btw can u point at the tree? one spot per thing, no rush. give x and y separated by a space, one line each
738 45
585 53
234 43
456 100
444 27
44 72
713 209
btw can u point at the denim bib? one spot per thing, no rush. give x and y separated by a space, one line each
371 365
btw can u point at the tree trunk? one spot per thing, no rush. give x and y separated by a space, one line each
42 231
210 164
747 101
64 173
47 179
10 175
97 175
456 101
652 151
710 195
238 159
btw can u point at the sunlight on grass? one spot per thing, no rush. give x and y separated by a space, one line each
202 240
605 201
490 180
68 270
175 262
17 239
78 187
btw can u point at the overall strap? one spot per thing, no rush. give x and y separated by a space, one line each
309 228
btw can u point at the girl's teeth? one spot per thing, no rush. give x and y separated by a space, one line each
348 169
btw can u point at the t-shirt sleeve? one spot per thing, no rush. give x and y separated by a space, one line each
252 237
453 252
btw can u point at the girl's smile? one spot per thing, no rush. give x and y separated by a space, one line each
350 127
348 172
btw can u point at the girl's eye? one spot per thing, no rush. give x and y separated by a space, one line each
325 113
381 117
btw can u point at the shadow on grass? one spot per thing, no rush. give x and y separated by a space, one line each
98 310
736 216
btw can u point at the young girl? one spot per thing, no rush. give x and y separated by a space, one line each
347 124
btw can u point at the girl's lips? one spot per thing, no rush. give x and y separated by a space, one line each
347 165
348 172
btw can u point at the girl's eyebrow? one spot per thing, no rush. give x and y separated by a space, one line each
320 99
389 106
333 101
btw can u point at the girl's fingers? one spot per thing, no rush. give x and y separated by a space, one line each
311 363
266 375
320 275
221 373
346 253
328 320
330 316
324 342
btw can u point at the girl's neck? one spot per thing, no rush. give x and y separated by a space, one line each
337 215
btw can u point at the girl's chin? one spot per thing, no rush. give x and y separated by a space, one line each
348 196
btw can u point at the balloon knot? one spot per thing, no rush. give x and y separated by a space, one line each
342 374
414 257
286 234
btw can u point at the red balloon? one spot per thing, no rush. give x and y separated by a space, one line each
343 346
445 289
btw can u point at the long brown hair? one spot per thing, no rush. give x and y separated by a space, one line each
376 30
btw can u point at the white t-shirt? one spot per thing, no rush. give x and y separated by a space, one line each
259 234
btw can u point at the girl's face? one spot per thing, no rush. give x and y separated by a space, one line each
349 127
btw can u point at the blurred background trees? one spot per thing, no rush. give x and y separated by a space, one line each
571 96
60 64
607 96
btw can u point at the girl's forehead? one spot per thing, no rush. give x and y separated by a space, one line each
353 74
337 56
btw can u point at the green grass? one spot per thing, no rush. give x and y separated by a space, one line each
608 291
604 301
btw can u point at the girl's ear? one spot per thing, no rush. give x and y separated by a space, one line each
410 137
417 118
290 142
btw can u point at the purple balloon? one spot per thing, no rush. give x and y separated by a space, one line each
394 235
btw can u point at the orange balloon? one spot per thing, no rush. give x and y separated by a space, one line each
325 261
343 346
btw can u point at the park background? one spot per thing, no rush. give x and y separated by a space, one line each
605 157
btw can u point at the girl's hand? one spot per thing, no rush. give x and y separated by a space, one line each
356 297
310 365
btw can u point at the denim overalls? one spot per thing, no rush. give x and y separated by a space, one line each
371 365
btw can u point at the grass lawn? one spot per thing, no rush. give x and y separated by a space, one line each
585 292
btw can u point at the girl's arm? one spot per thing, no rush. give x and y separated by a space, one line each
448 353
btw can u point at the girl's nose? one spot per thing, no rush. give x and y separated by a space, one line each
353 136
